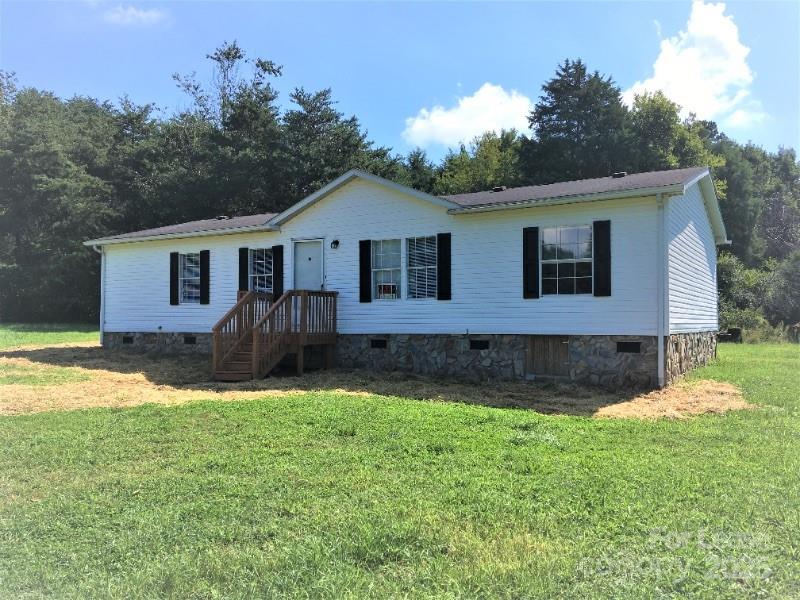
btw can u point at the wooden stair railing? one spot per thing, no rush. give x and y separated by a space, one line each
297 319
234 328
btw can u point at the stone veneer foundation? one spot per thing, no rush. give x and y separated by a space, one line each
593 359
159 342
686 351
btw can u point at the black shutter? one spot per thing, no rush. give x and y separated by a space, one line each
530 262
277 271
602 258
244 269
365 271
443 280
174 261
205 276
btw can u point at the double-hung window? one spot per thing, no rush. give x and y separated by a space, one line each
567 260
421 253
386 269
189 278
260 271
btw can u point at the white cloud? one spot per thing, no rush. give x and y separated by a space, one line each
490 108
130 15
705 70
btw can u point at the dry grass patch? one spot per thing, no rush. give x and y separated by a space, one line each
120 379
681 400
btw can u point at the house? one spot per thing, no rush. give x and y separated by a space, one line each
609 281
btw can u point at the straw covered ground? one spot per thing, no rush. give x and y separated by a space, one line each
36 378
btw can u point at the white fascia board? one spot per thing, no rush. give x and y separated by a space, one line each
712 208
640 193
337 183
172 236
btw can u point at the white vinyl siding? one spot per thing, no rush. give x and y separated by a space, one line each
486 269
692 265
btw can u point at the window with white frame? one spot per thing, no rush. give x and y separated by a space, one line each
260 273
567 260
421 253
189 278
386 267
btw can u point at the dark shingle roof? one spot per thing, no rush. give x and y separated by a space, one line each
601 185
197 226
532 194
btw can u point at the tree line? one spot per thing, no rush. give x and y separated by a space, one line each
79 168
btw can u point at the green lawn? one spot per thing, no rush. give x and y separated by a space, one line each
329 495
18 334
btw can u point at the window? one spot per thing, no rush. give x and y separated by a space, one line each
567 260
386 269
378 343
260 272
421 252
189 278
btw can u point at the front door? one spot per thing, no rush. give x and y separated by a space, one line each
308 272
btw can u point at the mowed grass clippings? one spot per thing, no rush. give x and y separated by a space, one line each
334 494
102 378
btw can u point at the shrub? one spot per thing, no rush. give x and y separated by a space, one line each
744 318
764 333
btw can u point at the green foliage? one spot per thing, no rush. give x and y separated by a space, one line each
783 299
41 334
37 375
54 166
579 127
764 333
490 161
419 172
76 169
656 126
332 495
72 170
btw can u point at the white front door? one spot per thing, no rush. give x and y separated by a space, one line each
308 272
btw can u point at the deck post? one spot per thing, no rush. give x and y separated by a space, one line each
301 338
303 316
217 351
256 359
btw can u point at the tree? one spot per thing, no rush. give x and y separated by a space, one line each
80 168
778 224
783 299
491 160
321 144
655 127
54 161
420 173
579 127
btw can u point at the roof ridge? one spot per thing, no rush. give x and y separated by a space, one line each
572 181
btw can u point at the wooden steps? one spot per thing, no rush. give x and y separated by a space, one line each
224 375
258 333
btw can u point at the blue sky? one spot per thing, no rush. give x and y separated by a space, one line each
427 74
